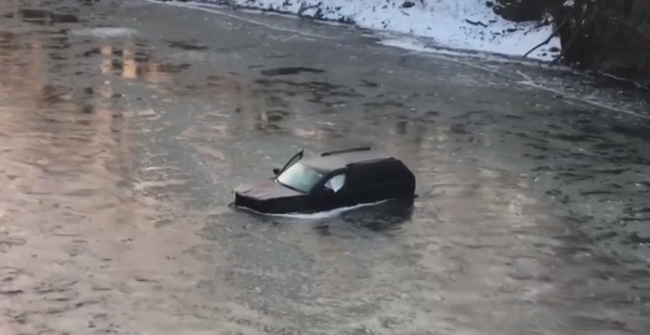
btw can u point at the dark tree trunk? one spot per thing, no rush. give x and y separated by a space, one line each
611 36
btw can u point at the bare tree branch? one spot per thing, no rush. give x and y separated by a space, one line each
549 38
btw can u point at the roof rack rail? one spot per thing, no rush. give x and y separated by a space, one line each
382 159
329 153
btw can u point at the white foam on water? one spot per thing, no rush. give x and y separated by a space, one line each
105 32
413 44
318 215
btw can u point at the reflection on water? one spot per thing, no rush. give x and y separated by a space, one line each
73 237
118 152
46 17
131 61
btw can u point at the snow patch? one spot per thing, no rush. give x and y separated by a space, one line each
457 24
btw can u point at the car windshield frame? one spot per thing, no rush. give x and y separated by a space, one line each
300 177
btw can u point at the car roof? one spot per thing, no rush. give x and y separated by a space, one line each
333 160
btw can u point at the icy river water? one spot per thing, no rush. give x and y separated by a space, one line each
125 124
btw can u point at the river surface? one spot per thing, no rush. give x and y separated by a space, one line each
125 124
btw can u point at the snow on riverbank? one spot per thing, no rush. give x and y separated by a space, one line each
459 24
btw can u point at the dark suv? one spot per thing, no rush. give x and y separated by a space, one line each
330 180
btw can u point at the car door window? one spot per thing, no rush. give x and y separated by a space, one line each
336 183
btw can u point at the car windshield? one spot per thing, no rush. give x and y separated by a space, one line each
300 177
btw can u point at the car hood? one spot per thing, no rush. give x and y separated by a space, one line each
266 190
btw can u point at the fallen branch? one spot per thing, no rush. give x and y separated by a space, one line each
549 38
476 23
304 7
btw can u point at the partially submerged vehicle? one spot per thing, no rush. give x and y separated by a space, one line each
330 180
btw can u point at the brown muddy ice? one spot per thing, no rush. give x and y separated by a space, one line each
124 125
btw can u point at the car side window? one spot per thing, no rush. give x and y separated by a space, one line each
336 183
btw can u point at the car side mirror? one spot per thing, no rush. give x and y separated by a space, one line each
328 190
276 171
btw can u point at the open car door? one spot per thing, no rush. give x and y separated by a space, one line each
297 157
